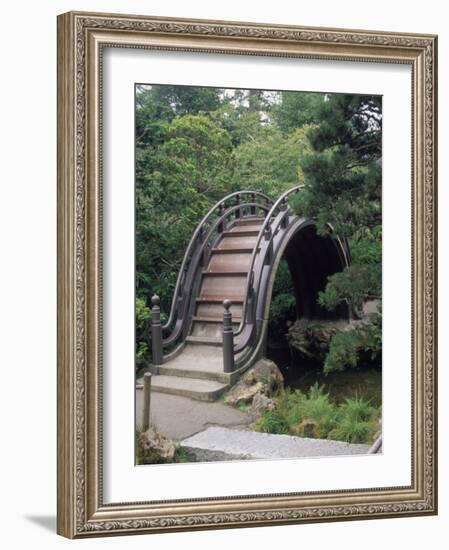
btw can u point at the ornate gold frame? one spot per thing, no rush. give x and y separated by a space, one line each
81 37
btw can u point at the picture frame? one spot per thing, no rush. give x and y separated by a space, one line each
82 40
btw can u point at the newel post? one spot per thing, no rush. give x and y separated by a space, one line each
156 330
228 338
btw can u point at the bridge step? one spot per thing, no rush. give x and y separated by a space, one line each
235 320
244 228
225 273
231 243
230 262
248 220
219 296
236 250
205 340
209 329
241 231
223 287
195 388
205 310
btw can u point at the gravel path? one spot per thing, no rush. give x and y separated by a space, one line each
180 417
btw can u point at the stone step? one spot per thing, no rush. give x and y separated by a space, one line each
209 329
195 388
218 443
204 340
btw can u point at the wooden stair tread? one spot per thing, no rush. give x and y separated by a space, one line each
237 241
247 220
235 298
236 250
205 299
246 228
225 273
241 233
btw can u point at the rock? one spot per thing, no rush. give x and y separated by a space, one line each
310 339
307 428
265 372
243 393
156 447
256 387
260 404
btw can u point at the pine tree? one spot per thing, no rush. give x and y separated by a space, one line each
343 187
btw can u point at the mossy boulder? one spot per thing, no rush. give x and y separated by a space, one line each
311 339
256 387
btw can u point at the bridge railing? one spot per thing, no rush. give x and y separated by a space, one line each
277 216
236 204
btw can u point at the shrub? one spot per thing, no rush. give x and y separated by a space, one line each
347 347
272 422
357 422
314 415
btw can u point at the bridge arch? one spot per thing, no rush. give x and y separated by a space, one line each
311 259
232 261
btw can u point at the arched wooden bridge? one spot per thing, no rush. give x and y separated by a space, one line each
217 326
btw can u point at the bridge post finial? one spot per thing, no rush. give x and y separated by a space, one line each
156 330
284 208
268 237
228 338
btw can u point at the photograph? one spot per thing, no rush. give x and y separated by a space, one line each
258 274
247 276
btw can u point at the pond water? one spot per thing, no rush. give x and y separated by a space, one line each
361 382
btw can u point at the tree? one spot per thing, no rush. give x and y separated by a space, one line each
270 163
296 109
343 187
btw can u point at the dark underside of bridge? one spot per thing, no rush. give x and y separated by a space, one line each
311 259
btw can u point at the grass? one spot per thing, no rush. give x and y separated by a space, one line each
312 414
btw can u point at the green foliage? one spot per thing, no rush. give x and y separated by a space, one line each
283 302
143 318
343 188
296 110
366 245
347 348
272 422
195 145
353 286
271 162
314 415
358 422
343 173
